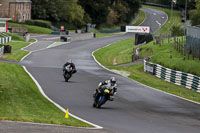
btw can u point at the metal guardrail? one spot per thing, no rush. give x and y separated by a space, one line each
4 38
177 77
1 51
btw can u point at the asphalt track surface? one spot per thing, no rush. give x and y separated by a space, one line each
136 109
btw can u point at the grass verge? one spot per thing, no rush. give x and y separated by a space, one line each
161 55
140 19
16 54
117 53
99 35
33 29
20 100
16 37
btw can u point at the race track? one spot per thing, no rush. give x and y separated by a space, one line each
136 109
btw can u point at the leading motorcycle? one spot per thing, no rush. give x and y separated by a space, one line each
102 96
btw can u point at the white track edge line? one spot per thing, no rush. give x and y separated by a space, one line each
144 18
25 56
29 44
46 124
51 45
57 105
137 81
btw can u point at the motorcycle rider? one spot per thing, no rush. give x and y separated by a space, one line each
111 83
69 62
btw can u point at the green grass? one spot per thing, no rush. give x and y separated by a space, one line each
161 55
140 19
16 54
117 53
139 75
20 99
176 19
99 35
33 29
16 37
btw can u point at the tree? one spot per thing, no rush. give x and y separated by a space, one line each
96 9
195 17
58 10
110 11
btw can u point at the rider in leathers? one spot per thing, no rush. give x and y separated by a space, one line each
102 85
72 65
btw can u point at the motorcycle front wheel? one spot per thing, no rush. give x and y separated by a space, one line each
101 101
67 77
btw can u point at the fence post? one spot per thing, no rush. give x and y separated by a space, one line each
184 52
189 51
193 52
168 39
199 53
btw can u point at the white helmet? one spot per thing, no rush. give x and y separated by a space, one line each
112 80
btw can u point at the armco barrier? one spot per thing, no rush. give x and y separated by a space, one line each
1 51
4 38
177 77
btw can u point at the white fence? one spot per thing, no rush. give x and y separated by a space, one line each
4 38
177 77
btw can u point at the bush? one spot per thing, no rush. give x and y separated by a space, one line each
41 23
177 31
195 18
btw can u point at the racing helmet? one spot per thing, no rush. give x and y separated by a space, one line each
69 61
113 80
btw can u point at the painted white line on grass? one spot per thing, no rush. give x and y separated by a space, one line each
57 105
137 81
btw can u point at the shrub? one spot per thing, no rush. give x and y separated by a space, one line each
177 31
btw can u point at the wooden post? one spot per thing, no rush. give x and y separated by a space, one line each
199 53
184 53
178 45
189 52
193 52
174 44
168 39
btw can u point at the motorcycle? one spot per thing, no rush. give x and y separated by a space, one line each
67 72
102 96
